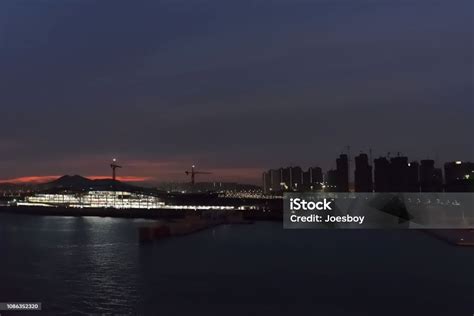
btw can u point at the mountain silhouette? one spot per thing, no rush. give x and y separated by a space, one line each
71 182
80 183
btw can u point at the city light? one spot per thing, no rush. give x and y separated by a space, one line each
118 200
95 199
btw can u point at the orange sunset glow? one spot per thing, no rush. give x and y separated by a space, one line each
46 179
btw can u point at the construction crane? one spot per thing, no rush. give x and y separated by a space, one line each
114 166
193 174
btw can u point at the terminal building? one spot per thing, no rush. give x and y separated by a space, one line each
95 199
119 200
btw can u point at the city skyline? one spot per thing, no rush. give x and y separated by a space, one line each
381 174
360 170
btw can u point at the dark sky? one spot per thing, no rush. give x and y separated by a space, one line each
233 86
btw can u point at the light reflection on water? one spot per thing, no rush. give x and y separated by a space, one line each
95 265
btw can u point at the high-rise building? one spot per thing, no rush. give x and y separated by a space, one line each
438 180
382 175
267 182
363 174
316 178
296 174
286 179
398 174
342 168
427 175
307 180
276 180
331 181
431 178
313 179
413 181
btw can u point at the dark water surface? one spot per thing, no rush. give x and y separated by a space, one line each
95 265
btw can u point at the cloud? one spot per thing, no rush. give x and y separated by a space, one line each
46 179
30 180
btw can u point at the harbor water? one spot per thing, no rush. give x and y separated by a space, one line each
93 265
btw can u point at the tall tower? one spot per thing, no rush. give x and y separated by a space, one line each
342 167
363 174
